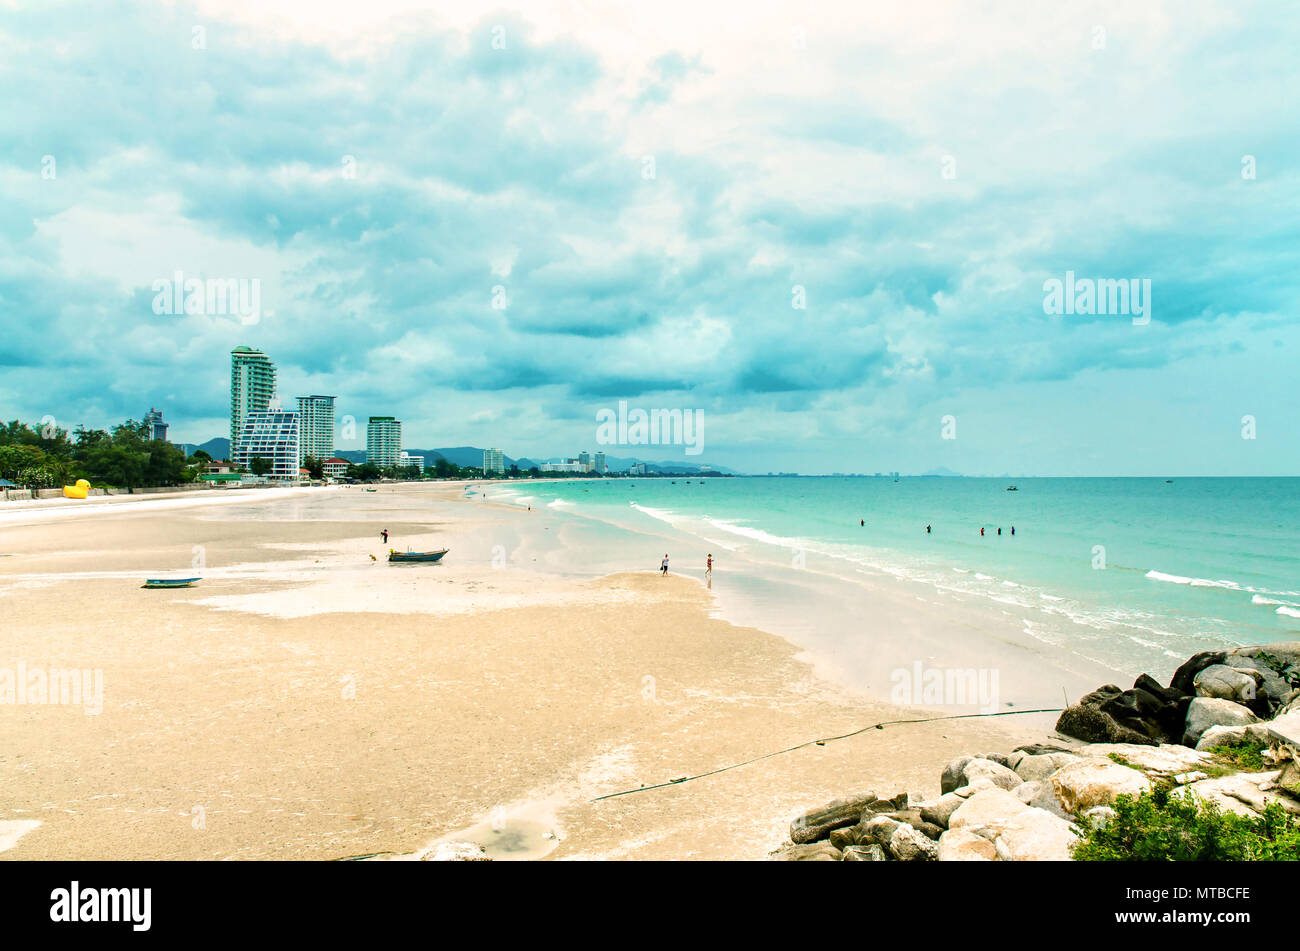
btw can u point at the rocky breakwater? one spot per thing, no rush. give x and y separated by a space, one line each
1030 804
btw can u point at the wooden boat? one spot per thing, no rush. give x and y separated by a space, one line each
169 582
401 557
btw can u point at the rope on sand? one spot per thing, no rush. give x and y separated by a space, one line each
821 742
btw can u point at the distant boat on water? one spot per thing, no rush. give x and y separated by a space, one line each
401 557
169 582
1012 488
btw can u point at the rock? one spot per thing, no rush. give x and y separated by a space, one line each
1099 815
1029 791
1285 729
952 774
807 852
931 830
1088 721
1227 683
818 823
994 772
986 808
1035 836
1018 832
1156 762
1245 794
1233 736
1205 712
962 845
1033 767
1146 714
843 838
877 830
1184 676
909 845
1095 782
1039 749
457 852
865 853
939 811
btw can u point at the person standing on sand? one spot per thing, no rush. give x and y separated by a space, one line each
708 566
384 536
663 567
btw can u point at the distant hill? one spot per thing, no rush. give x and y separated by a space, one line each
218 448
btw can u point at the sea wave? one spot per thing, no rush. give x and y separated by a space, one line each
1288 611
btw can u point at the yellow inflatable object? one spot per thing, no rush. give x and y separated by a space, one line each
78 491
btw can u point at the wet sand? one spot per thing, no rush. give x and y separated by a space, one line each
308 702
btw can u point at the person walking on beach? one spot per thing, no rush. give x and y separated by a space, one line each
708 566
384 536
663 566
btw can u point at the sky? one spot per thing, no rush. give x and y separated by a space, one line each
825 229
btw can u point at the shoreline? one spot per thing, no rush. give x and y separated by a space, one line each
307 702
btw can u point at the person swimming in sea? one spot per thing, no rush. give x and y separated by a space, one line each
927 529
981 531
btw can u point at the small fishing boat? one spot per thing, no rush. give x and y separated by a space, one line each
1012 488
415 556
169 582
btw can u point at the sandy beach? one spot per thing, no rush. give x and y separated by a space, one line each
307 700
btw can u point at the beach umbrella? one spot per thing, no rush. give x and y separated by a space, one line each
6 484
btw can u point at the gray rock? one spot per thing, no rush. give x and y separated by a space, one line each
1205 712
1228 683
952 774
994 772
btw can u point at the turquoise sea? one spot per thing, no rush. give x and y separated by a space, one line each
1145 571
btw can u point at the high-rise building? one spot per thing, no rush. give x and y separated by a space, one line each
598 464
406 460
584 459
273 435
155 428
384 441
493 461
252 385
317 421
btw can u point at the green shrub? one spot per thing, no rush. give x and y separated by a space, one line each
1248 756
1160 827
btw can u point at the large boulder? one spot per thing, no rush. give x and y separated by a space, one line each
962 845
1244 794
1018 832
877 830
1277 664
1233 736
818 823
987 769
1095 782
1155 762
1090 719
1222 682
1205 712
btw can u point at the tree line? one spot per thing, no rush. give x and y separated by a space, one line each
124 457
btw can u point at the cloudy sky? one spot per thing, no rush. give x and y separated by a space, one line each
827 226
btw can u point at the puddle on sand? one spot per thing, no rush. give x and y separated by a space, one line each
519 835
